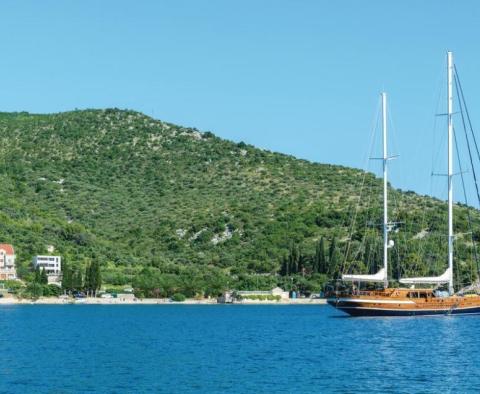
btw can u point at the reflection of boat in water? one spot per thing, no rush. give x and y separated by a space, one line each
412 301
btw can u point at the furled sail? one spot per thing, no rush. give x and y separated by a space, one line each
380 276
444 278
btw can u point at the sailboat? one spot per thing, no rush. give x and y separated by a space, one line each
410 301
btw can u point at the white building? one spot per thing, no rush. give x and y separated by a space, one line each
52 266
284 295
7 262
277 291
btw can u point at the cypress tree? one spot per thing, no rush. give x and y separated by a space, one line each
67 277
77 280
315 261
332 257
320 262
302 261
88 278
293 259
43 277
284 266
97 276
93 278
290 261
38 275
367 252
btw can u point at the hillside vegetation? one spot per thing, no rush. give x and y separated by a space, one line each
171 209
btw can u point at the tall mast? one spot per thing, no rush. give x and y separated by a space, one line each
450 169
385 184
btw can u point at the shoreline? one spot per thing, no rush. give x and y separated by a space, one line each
151 301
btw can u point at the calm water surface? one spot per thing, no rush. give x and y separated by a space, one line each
232 349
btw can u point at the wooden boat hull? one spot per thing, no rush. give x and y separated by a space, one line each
387 306
358 311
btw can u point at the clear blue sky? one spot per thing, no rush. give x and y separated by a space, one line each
299 77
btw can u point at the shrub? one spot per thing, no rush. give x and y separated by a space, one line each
178 297
51 290
13 285
33 290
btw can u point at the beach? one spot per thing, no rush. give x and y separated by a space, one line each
150 301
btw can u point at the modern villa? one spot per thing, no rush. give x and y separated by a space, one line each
52 266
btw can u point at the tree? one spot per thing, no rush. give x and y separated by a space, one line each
284 268
367 252
93 278
293 259
34 290
87 282
333 259
67 277
37 275
320 264
302 262
51 290
96 277
77 280
43 277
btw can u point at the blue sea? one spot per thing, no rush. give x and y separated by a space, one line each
232 349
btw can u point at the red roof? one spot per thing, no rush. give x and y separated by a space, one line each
7 248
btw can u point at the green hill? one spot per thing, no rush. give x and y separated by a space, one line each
170 208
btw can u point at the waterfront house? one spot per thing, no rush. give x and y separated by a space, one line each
277 291
52 266
226 298
126 297
7 262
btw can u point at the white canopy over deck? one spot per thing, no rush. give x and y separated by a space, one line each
444 278
380 276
